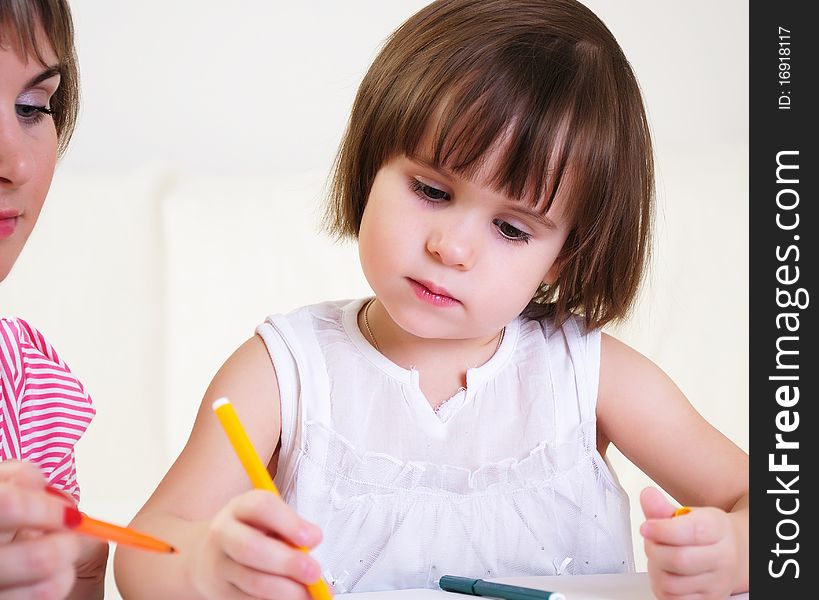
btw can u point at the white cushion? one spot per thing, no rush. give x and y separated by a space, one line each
236 251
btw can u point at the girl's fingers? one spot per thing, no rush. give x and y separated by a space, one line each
264 554
33 561
669 585
654 504
257 584
267 512
681 560
701 527
255 539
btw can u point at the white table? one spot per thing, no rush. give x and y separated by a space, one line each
631 586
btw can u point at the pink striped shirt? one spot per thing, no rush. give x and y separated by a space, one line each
44 409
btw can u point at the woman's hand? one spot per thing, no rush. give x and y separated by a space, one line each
37 557
696 555
90 569
248 551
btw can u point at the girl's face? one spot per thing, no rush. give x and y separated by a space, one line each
28 143
451 258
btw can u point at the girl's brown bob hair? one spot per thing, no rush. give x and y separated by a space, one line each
18 27
547 81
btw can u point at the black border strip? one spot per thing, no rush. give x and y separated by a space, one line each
783 65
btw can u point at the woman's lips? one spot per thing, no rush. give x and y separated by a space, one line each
8 225
429 292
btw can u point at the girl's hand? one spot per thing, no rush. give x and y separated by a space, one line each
248 551
695 555
36 558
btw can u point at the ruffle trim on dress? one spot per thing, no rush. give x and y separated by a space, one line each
392 523
378 473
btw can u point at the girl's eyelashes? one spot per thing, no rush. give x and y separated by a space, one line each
433 195
31 114
511 233
427 192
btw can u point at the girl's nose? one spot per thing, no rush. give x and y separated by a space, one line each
16 160
453 247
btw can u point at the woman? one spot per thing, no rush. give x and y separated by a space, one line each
43 408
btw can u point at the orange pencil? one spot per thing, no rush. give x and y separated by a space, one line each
82 523
683 510
256 471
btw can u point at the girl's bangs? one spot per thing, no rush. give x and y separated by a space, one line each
533 128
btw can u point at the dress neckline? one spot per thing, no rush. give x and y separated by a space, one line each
475 376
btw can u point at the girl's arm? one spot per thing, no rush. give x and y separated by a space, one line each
643 413
227 536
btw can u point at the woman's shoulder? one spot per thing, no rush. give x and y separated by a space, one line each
14 331
23 347
46 397
25 353
17 337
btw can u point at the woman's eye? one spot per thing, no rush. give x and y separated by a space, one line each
510 232
427 192
31 113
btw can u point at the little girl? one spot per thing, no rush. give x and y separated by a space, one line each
44 409
497 174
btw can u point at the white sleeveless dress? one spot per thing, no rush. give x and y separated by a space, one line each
504 480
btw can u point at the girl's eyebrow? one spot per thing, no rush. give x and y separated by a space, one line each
432 166
50 72
533 214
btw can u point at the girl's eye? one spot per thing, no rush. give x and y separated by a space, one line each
510 232
31 114
427 192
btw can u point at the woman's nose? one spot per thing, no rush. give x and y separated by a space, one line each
15 154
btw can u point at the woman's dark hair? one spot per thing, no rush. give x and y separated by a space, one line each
19 20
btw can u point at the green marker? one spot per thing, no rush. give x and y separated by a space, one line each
479 587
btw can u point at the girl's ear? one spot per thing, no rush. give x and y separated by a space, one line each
554 271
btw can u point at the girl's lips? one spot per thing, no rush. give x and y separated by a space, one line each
428 292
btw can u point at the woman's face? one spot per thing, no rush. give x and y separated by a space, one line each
28 141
